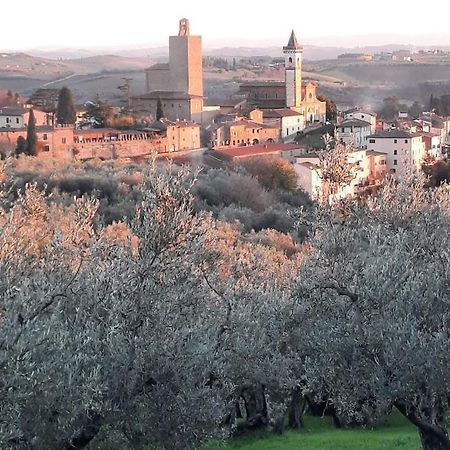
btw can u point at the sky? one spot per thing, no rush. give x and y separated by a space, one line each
138 23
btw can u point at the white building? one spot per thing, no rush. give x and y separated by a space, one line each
17 117
354 132
405 151
369 169
362 114
288 121
11 117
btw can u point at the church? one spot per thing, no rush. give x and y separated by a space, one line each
293 93
178 84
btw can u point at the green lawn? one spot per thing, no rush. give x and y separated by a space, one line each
319 434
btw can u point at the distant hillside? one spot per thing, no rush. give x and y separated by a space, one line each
311 52
22 64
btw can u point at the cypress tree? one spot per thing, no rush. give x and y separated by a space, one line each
65 112
31 135
21 146
159 110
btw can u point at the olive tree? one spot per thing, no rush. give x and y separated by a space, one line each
105 342
374 305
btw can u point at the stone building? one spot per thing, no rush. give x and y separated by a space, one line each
179 83
293 93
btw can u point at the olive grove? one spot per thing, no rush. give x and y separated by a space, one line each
375 306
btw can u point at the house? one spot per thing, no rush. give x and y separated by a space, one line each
368 167
433 144
52 142
354 132
233 154
288 121
17 117
362 114
405 151
245 131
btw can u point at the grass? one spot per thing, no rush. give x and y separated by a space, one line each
320 434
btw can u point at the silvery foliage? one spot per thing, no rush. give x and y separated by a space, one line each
145 342
375 305
100 339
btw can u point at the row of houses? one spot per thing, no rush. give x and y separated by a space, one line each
65 142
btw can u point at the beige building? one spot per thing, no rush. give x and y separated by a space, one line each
369 168
404 151
293 93
177 84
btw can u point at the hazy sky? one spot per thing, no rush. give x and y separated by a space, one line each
102 23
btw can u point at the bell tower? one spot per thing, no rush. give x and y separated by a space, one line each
293 72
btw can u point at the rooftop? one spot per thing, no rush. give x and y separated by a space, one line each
282 112
361 110
393 134
293 43
12 111
354 123
374 153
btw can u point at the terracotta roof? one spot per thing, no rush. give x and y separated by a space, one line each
277 113
374 153
255 150
293 43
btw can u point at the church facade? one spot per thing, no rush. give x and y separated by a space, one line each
177 84
293 93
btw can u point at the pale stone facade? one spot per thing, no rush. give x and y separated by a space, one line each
178 84
405 151
369 168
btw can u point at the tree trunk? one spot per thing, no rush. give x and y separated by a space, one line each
296 409
430 423
84 435
255 406
432 440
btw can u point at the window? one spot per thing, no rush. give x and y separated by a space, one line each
406 141
64 140
393 170
372 141
290 60
45 137
395 152
17 120
395 162
172 105
46 148
395 141
7 120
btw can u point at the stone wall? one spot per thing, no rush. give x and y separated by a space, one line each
106 149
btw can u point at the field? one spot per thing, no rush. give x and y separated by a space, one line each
320 434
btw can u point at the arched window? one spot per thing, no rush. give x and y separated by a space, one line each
290 60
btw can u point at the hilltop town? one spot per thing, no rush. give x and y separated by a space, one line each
281 118
217 250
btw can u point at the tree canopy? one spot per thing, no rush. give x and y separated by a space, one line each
65 111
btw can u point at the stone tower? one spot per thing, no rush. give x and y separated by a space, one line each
293 72
185 61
